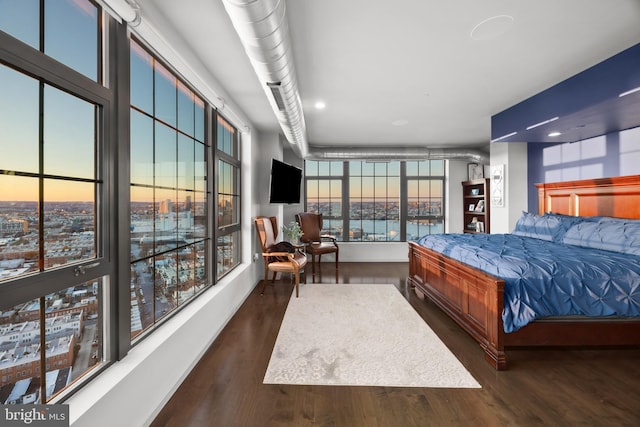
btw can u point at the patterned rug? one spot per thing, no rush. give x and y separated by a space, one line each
360 335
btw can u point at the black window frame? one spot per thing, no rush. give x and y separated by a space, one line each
233 230
32 62
344 217
112 93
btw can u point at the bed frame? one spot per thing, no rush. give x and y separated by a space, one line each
474 299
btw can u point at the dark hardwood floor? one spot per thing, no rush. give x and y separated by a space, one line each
549 387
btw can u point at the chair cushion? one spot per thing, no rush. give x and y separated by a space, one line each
270 236
311 226
287 266
321 248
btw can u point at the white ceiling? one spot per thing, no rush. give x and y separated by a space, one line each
376 62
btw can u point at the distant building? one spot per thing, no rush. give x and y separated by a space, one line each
14 272
166 206
85 306
27 390
13 226
20 345
12 264
20 361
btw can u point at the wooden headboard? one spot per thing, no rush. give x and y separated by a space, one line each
615 197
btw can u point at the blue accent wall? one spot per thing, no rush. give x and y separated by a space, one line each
614 154
583 106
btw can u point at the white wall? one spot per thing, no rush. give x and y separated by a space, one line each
371 252
456 174
513 155
269 147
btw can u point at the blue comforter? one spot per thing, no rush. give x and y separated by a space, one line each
544 278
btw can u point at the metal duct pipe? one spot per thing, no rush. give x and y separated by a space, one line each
127 10
264 32
396 153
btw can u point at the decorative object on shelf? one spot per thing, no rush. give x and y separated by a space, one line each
497 186
292 232
475 170
476 203
480 227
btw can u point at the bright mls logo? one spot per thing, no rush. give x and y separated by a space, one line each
34 415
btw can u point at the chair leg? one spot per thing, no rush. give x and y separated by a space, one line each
297 274
266 280
336 266
313 267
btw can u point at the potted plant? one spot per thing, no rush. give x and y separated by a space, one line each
293 232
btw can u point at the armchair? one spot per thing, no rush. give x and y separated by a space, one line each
284 262
315 242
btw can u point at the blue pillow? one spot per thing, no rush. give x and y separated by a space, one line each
609 234
545 227
571 220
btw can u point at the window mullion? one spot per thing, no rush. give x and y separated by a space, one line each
41 230
43 352
404 201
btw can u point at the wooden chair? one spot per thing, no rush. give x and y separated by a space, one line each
315 242
283 262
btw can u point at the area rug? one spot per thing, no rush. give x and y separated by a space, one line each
360 335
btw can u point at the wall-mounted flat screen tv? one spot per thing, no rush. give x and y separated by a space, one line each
285 183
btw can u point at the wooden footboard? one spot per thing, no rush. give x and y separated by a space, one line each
474 299
471 297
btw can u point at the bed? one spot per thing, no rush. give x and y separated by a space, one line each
474 297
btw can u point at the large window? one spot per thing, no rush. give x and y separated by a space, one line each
169 237
374 201
54 253
107 211
64 23
425 198
377 200
228 209
324 188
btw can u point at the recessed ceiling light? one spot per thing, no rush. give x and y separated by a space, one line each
542 123
400 122
492 28
504 136
320 105
629 92
554 134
